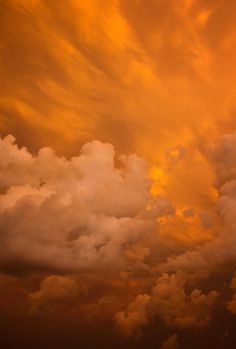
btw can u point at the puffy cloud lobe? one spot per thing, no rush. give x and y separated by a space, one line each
6 280
175 154
104 306
178 308
135 316
70 214
232 303
170 343
170 302
222 158
53 289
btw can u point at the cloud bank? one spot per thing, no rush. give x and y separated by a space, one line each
95 213
168 298
67 215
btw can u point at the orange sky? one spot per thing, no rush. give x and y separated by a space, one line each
142 76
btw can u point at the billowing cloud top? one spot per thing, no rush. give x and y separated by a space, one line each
72 214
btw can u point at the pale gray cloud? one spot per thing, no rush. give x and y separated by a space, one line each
85 212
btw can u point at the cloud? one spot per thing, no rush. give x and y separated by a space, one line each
96 212
169 299
171 303
220 250
170 343
86 212
232 303
179 308
6 280
134 318
53 290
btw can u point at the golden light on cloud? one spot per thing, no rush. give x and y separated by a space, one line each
117 174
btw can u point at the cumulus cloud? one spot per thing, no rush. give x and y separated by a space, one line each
232 303
53 289
170 343
221 250
86 212
170 301
135 317
6 280
169 298
179 308
104 305
175 154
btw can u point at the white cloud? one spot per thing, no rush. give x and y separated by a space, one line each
85 212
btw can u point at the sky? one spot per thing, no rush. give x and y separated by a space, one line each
117 174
